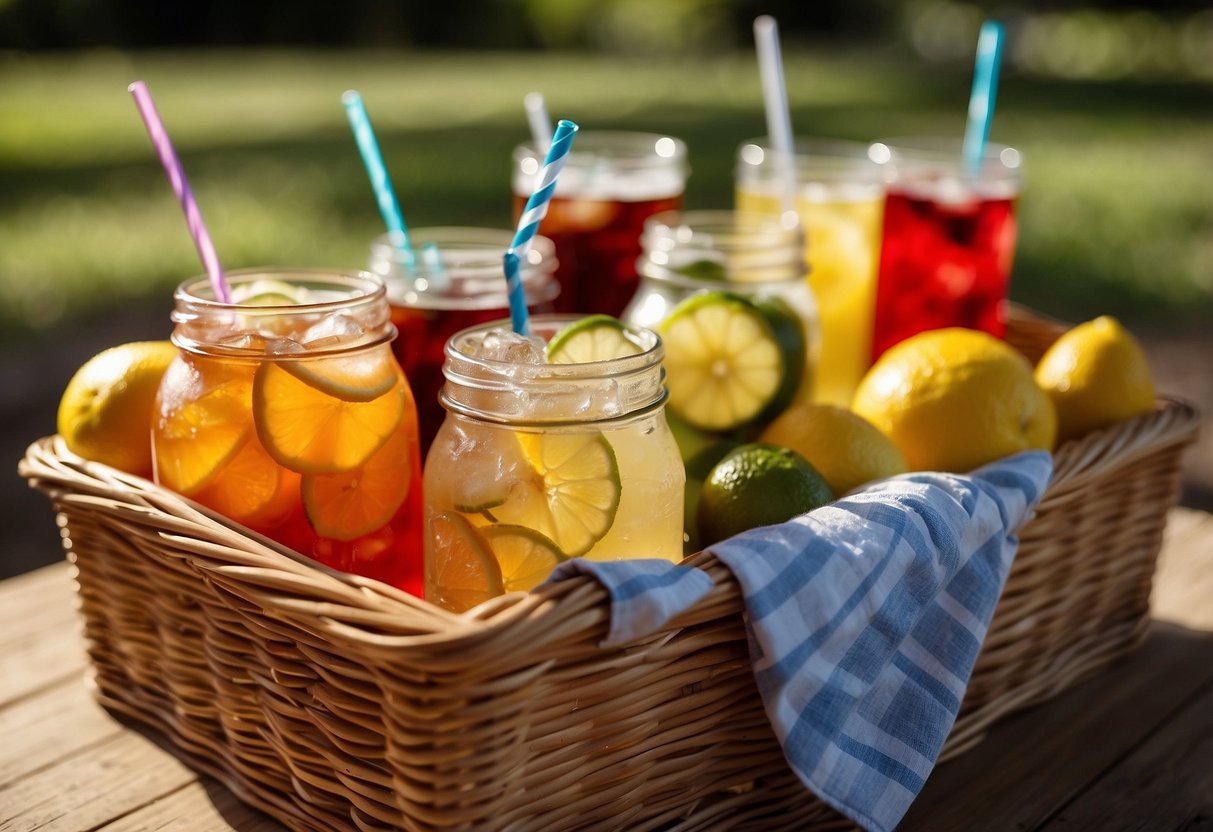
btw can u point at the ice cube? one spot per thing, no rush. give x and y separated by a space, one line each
283 346
332 331
251 341
507 346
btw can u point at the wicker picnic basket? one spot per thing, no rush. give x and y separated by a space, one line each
337 703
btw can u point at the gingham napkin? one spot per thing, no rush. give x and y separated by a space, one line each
865 618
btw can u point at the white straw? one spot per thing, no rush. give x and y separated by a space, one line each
537 116
775 100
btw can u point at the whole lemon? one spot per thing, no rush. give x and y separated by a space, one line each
106 411
757 485
954 399
1096 374
847 449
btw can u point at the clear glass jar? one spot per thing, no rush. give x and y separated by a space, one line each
611 183
286 412
538 462
458 282
755 256
839 198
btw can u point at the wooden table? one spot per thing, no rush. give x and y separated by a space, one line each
1132 748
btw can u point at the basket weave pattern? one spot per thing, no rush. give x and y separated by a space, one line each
336 703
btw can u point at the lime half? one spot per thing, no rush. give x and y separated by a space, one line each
595 338
730 360
571 492
525 557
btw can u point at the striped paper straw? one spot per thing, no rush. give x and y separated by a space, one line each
181 187
985 90
528 224
385 196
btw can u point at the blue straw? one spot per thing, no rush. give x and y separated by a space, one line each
985 90
528 224
398 233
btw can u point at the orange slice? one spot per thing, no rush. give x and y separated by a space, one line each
203 423
252 489
349 505
359 377
312 431
460 570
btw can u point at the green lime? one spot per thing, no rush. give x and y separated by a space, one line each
729 360
697 468
267 292
704 270
594 338
570 492
758 485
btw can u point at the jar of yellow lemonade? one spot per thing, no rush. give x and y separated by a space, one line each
727 294
838 194
286 412
553 447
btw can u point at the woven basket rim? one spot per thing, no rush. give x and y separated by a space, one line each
343 606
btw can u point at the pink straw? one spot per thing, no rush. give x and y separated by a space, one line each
176 178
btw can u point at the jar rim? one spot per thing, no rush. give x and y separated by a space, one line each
198 292
999 162
625 148
769 241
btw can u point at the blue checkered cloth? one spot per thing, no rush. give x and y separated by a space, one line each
865 618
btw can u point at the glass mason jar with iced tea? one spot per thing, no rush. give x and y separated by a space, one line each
839 197
538 462
457 282
949 238
285 411
611 183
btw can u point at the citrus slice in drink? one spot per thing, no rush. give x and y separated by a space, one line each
593 338
461 571
354 503
729 360
525 557
321 428
268 292
203 424
360 377
252 489
569 494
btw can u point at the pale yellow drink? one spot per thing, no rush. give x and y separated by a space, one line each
840 201
540 462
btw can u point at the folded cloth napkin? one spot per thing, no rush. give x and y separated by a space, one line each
864 617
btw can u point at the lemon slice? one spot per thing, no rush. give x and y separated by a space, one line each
594 338
311 431
571 492
202 426
460 570
525 557
349 505
361 377
730 361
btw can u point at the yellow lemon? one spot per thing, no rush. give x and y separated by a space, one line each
1096 374
106 411
847 449
955 399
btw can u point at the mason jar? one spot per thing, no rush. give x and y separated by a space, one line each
540 462
286 412
457 282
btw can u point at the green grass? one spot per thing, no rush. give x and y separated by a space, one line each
1116 213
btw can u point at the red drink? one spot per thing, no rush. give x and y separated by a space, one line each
469 291
611 183
949 238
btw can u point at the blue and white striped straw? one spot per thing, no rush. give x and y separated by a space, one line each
985 90
528 224
389 208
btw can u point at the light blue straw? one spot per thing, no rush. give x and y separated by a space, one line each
528 224
389 208
985 90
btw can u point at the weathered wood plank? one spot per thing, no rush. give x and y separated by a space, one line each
1033 763
1183 586
36 601
42 730
1165 784
116 777
204 806
39 660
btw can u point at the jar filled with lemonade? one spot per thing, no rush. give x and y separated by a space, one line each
554 446
839 198
285 411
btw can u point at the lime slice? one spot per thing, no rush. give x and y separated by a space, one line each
704 270
571 493
790 334
268 293
525 557
728 359
460 570
595 338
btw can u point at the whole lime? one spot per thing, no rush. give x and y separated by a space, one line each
758 485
